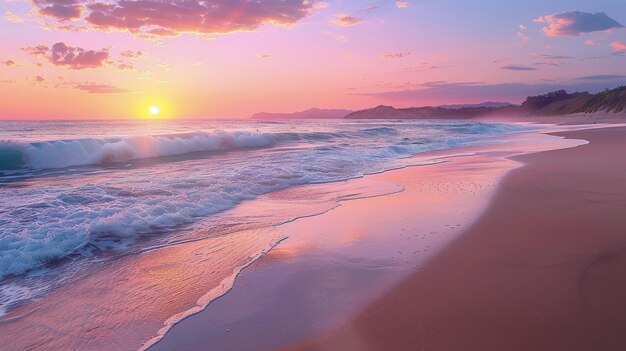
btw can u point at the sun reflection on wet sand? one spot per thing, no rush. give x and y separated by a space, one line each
125 304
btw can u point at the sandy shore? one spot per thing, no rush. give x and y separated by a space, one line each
542 269
315 289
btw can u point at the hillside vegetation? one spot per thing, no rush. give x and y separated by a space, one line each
554 103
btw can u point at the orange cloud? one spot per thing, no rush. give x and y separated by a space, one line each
402 4
264 56
342 19
8 63
95 88
145 18
131 54
124 66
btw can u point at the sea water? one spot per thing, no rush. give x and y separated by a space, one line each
76 192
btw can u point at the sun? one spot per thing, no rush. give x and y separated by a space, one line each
154 110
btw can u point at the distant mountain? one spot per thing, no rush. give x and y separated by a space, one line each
428 112
554 103
482 104
314 113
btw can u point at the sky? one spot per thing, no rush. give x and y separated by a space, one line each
92 59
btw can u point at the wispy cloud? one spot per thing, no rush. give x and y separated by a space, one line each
402 4
264 56
318 5
575 23
424 66
518 68
124 66
395 55
551 57
8 63
342 19
95 88
132 54
601 77
618 46
11 17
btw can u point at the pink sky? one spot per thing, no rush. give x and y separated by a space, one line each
83 59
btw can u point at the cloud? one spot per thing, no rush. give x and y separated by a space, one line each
591 42
402 4
395 55
575 23
11 17
551 57
124 66
92 87
523 37
547 63
370 8
63 55
522 27
39 79
37 51
424 66
601 77
618 46
518 68
62 10
149 18
8 63
95 88
264 56
131 54
342 19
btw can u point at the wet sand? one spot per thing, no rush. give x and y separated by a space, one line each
542 269
334 265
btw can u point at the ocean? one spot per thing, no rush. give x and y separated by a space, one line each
75 194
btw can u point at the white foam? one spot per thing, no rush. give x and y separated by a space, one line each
81 152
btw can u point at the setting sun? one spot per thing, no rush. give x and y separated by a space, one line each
154 110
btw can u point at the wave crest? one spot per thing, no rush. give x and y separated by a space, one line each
82 152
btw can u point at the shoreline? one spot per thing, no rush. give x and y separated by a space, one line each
541 269
204 330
